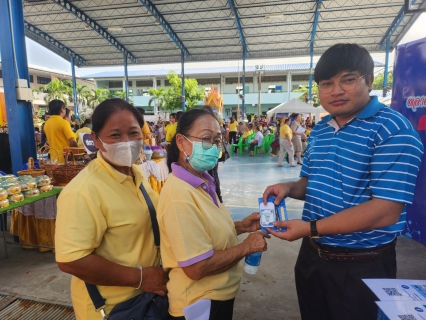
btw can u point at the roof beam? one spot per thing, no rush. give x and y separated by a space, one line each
37 34
166 26
392 28
68 6
311 47
238 24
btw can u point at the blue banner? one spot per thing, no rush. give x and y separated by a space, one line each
409 98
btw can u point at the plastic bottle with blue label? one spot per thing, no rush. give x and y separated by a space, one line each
252 262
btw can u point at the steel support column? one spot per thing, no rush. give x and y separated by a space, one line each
183 79
385 76
243 104
126 79
74 89
311 48
15 66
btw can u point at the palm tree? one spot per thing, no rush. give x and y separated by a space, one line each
158 95
81 92
305 94
55 90
95 96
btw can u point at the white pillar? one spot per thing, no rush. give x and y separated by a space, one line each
289 86
154 85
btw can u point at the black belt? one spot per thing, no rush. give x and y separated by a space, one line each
365 255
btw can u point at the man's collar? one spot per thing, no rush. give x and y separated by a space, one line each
188 177
368 111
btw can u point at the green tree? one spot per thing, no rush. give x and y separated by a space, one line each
379 80
82 92
95 96
305 94
157 95
120 95
54 90
193 94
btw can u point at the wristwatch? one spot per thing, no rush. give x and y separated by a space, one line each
314 231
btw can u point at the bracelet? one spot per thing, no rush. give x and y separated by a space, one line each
140 282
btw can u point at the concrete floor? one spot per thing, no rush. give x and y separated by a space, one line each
270 294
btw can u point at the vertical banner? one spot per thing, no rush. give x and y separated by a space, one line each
409 98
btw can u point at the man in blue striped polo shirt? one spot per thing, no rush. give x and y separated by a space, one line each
358 174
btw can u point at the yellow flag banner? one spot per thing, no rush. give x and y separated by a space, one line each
3 118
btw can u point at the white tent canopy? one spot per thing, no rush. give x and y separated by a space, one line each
296 106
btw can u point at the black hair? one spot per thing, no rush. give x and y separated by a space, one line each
294 115
286 120
341 57
172 115
67 112
108 107
37 129
184 126
141 111
87 121
55 107
209 110
179 115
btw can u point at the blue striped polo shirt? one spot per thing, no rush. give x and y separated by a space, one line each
376 154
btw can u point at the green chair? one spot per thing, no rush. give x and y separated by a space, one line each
264 146
249 138
239 145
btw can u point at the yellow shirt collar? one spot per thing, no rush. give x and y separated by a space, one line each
118 176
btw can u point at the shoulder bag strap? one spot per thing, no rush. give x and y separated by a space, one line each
95 296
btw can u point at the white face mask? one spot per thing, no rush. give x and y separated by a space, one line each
122 154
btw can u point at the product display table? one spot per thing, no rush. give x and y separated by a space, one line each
156 170
33 221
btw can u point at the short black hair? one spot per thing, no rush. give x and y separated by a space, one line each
108 107
67 112
184 126
55 107
172 115
341 57
141 110
87 121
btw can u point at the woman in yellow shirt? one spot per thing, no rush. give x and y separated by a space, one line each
103 227
198 237
233 131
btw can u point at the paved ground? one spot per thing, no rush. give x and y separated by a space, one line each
270 294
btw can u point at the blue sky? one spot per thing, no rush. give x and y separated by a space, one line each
38 55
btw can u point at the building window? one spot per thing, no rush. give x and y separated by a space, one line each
158 83
207 81
130 83
1 73
282 78
43 80
31 78
300 77
144 83
115 84
234 80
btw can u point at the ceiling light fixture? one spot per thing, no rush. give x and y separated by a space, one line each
117 28
156 21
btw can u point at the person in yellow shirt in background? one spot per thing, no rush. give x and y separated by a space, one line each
87 124
171 130
248 131
103 232
233 131
146 132
58 131
286 145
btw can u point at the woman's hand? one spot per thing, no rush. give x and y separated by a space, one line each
154 280
256 242
250 223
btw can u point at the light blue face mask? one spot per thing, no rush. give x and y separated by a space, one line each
202 159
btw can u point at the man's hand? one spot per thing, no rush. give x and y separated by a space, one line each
281 190
251 223
256 242
154 280
296 229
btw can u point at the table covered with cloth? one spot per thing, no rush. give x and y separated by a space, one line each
156 170
33 220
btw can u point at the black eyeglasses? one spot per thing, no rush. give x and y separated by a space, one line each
347 84
208 142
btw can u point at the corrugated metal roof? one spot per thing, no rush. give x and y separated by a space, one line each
99 32
202 70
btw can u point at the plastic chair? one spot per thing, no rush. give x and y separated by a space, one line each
247 143
239 145
263 146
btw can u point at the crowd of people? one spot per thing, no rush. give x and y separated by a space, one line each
358 173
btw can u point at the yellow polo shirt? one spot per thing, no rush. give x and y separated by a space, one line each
192 226
146 133
285 129
58 132
233 126
246 134
171 131
77 135
102 211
